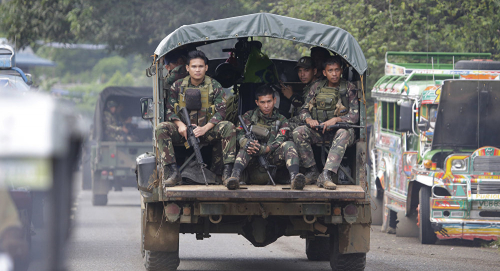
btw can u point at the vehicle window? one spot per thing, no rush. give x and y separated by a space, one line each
390 115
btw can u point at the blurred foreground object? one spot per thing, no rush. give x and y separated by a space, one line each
40 140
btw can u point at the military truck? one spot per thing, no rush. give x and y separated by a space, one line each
108 163
334 223
435 148
11 77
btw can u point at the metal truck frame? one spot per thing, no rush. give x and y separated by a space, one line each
436 188
335 223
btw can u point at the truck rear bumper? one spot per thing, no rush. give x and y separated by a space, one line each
261 192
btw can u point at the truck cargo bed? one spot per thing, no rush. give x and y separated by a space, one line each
264 192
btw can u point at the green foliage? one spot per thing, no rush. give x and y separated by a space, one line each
109 66
128 26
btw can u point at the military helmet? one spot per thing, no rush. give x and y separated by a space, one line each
111 103
304 62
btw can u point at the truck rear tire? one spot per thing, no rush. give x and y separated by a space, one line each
345 262
318 249
99 200
426 234
161 260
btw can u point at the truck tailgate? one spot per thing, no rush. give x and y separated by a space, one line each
267 192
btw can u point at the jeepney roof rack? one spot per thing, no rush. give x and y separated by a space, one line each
434 60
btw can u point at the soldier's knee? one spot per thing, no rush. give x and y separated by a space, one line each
299 132
165 127
288 144
226 128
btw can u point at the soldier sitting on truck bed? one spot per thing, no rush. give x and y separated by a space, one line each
209 119
272 146
333 100
307 74
113 131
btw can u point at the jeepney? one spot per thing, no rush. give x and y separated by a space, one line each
335 223
435 151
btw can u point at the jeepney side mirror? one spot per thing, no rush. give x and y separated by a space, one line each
424 125
147 108
29 78
405 117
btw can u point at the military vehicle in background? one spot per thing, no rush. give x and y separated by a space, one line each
435 146
334 223
106 162
39 164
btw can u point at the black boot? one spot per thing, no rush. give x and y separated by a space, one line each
297 180
174 176
226 172
325 180
312 175
233 182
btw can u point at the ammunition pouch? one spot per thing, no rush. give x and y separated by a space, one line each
259 131
331 102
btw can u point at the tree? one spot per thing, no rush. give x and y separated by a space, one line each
128 26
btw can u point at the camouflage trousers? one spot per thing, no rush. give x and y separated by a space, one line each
167 135
304 136
294 122
284 155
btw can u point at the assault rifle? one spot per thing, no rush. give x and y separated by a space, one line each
251 138
338 125
194 142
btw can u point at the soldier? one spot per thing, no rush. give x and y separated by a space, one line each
333 100
113 131
175 64
318 55
307 74
277 151
209 119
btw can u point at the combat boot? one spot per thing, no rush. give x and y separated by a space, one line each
311 175
233 182
297 180
325 180
174 176
226 172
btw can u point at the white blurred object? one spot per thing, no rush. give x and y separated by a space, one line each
6 263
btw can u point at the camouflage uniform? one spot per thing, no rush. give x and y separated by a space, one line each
298 103
282 153
304 136
173 75
112 130
167 133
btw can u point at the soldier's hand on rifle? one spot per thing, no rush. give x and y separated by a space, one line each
253 148
330 122
312 122
201 130
181 128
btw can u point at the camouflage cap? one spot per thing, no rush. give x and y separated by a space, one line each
304 62
111 103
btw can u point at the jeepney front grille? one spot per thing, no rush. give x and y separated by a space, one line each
487 164
485 188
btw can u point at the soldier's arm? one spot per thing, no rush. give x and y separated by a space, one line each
109 123
173 99
220 103
297 100
240 132
353 115
279 138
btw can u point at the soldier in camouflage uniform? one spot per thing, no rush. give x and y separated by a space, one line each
175 64
276 150
113 131
307 74
173 131
315 108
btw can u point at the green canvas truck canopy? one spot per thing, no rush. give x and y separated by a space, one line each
268 25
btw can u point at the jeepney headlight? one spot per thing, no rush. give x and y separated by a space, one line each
458 165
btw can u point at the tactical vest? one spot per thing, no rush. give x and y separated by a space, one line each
330 102
198 101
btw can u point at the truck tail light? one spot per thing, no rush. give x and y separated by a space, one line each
172 212
351 210
112 155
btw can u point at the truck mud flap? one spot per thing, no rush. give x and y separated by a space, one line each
160 235
353 238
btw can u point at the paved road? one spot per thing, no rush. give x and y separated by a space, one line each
107 238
